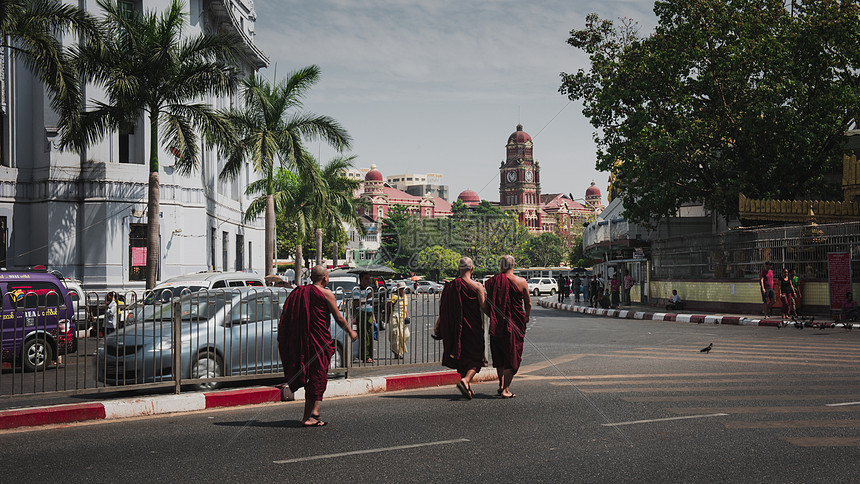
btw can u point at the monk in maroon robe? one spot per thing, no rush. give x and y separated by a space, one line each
461 327
509 307
305 342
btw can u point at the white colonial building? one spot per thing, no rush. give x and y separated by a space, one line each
85 215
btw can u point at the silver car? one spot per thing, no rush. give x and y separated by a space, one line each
230 332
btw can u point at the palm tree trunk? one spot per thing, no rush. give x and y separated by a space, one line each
298 264
152 206
270 233
319 234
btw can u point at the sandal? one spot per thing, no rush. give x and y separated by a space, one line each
318 423
466 392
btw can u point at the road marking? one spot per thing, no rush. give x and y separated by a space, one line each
553 362
842 404
722 388
792 424
664 419
771 410
369 451
715 356
823 441
733 398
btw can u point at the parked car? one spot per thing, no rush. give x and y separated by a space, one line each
428 287
38 319
224 333
540 285
79 303
166 290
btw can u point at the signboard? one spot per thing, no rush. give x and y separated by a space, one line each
839 275
138 256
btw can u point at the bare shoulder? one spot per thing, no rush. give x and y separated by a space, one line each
520 282
474 284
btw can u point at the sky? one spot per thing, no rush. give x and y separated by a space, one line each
437 86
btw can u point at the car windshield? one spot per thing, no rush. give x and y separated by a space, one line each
197 307
534 281
345 286
164 294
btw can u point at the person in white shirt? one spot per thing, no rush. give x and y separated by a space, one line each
110 313
674 301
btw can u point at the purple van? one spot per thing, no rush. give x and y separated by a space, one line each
38 319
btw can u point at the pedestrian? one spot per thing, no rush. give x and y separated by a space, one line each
594 290
798 299
850 309
768 296
460 326
305 342
615 288
576 287
567 284
363 303
110 320
586 296
560 288
786 293
674 301
628 284
398 332
509 307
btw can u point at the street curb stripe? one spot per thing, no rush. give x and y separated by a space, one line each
34 417
135 407
234 398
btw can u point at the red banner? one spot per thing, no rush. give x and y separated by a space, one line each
138 256
839 274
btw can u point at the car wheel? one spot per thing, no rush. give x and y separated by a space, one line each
536 292
208 365
552 292
336 358
431 291
36 354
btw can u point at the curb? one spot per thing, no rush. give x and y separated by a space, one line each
684 318
187 402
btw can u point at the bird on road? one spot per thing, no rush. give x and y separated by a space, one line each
707 349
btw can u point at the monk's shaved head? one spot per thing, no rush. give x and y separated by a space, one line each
465 265
318 273
506 263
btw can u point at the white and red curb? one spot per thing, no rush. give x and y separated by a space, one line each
187 402
656 316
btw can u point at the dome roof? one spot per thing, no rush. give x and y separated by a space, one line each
519 136
469 197
592 191
373 174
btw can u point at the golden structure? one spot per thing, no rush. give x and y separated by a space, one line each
799 210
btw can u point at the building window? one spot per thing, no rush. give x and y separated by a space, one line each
4 233
213 236
224 245
136 251
240 252
126 139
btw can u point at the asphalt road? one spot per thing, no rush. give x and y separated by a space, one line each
599 400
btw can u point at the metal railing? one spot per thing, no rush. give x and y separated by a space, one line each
200 339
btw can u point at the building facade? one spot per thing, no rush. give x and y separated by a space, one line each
85 214
420 184
381 196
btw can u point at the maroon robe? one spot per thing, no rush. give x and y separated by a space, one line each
461 327
304 340
507 322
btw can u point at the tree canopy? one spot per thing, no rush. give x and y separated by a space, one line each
725 97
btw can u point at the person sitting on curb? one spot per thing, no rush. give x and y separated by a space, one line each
850 310
605 302
675 301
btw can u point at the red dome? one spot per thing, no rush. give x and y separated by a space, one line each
519 136
592 191
469 197
373 174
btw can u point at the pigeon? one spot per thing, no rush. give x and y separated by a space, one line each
707 349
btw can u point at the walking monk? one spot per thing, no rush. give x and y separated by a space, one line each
461 327
509 307
305 342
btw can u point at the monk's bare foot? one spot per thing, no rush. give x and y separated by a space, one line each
313 422
507 394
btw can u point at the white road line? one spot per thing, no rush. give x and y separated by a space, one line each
664 419
842 404
369 451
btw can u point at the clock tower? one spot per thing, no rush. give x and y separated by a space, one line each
519 181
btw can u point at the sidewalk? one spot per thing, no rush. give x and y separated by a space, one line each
187 402
644 312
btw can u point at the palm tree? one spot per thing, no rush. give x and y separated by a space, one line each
269 131
320 199
146 64
29 30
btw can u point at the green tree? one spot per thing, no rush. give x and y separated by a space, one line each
146 63
437 261
577 256
29 30
725 97
337 204
545 250
398 239
272 128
